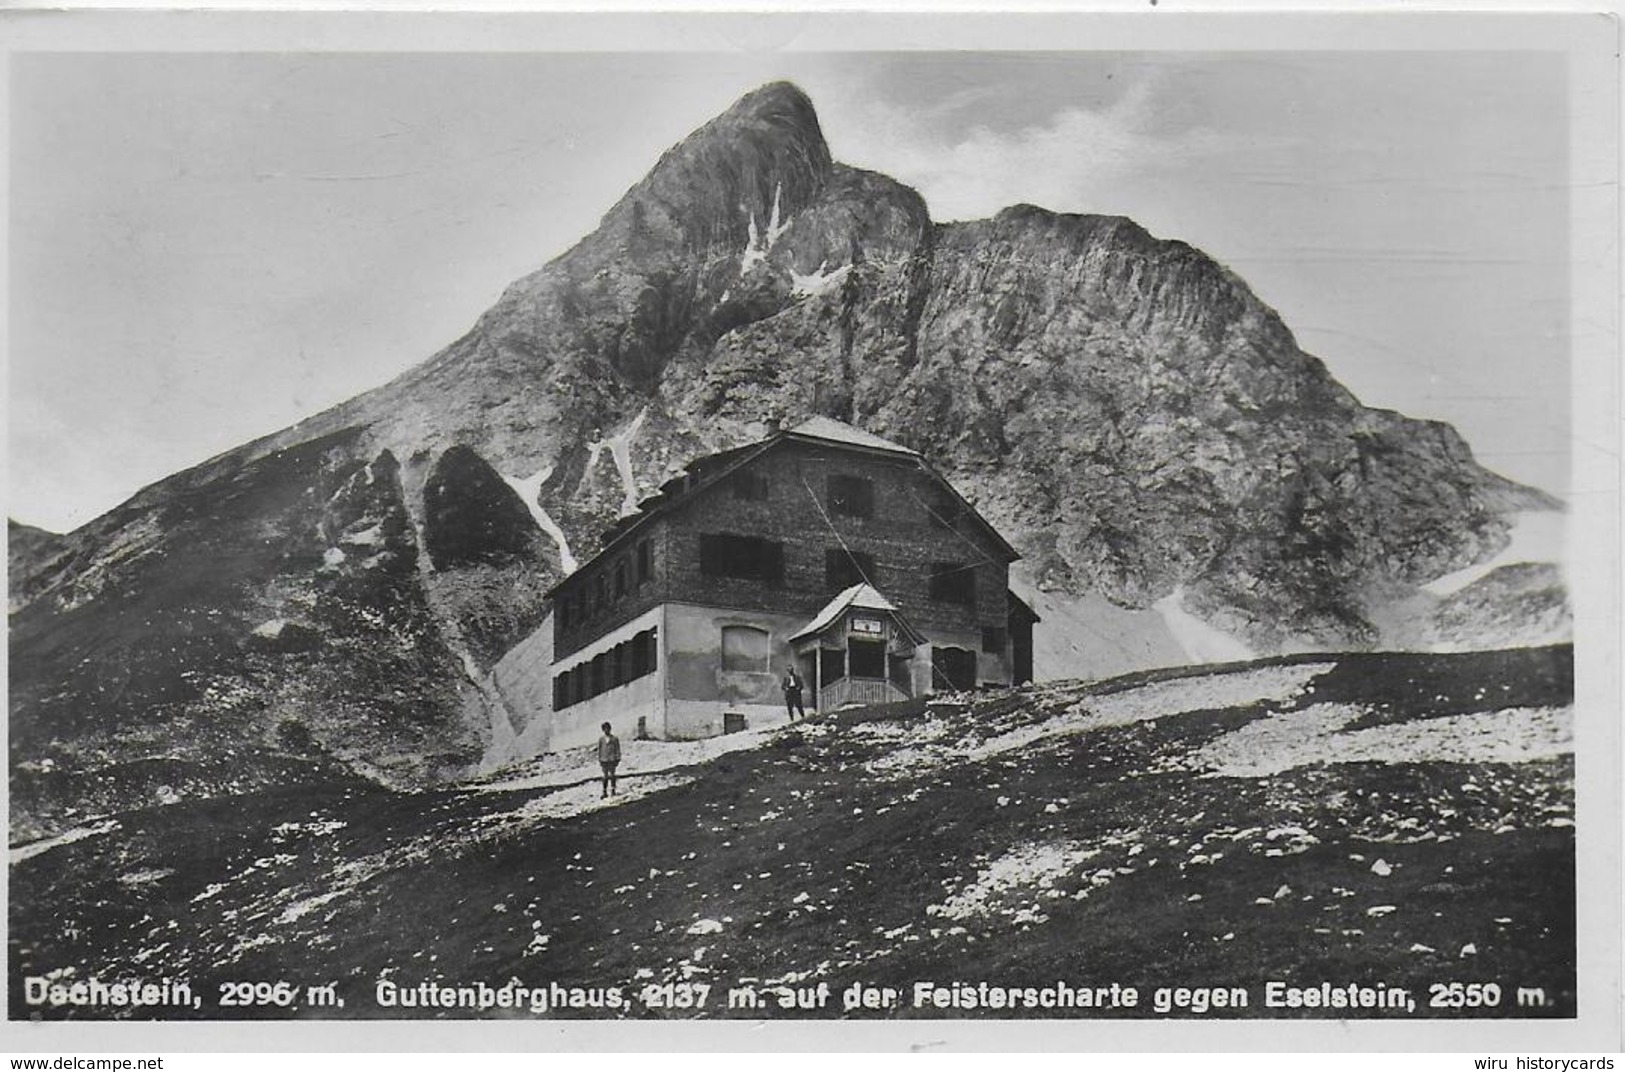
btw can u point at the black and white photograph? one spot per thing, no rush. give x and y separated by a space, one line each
798 531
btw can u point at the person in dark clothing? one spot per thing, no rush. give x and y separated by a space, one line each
792 694
609 757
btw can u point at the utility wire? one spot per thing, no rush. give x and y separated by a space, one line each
936 673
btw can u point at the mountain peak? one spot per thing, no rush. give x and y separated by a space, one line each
766 154
776 100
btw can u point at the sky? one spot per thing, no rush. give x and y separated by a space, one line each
204 248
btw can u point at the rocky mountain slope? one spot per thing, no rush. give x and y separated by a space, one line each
1122 407
1523 603
28 551
1396 818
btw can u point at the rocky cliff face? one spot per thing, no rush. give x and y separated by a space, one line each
1122 407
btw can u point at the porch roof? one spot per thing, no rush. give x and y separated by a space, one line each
862 597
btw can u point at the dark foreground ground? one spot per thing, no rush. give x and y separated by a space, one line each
1160 832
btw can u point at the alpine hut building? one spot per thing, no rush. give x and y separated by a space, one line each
825 547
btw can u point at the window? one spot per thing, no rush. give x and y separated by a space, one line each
625 662
749 486
851 496
993 639
566 615
746 557
843 569
643 653
620 577
868 658
831 665
600 593
953 582
646 562
745 649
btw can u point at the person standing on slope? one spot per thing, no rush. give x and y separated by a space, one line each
609 757
792 694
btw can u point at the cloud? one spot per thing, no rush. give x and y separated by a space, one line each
1076 160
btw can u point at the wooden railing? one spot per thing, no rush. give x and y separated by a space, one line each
858 690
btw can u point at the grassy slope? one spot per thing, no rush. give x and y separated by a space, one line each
822 854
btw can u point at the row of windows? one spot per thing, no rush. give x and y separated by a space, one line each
628 573
752 558
623 663
746 649
846 496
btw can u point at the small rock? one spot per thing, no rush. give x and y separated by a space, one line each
1469 950
1380 910
1418 947
1282 892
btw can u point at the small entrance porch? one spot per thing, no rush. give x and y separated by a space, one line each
858 650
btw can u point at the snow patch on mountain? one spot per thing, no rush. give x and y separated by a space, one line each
1317 735
528 489
272 629
32 849
373 536
1537 536
931 748
1016 885
759 245
619 446
807 286
1202 643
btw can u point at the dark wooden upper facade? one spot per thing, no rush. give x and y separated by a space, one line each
784 525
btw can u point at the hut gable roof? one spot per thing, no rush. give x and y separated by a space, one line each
713 470
833 431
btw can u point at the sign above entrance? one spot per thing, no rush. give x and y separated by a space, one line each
868 625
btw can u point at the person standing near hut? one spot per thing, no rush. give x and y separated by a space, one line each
792 693
609 757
